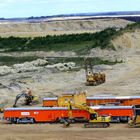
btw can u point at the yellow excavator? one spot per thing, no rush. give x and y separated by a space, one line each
1 108
95 121
93 79
135 121
29 98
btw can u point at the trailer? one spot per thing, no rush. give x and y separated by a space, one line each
50 102
56 114
113 100
117 113
98 100
42 114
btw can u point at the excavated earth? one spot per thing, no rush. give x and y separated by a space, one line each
122 79
57 27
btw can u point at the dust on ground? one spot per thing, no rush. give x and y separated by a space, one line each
121 79
75 132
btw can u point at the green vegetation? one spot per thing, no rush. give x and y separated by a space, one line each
10 60
80 61
132 27
128 28
79 43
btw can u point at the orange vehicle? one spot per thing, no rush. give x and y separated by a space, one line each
41 114
113 100
100 100
117 113
50 102
56 114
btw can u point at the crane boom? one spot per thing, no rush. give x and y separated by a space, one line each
85 107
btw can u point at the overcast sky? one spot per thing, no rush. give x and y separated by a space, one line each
27 8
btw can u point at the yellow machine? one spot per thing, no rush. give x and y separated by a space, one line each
95 121
135 121
1 109
93 79
72 97
29 98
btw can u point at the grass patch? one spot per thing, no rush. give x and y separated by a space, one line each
80 61
79 43
11 60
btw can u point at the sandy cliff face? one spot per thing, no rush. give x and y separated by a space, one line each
59 27
128 40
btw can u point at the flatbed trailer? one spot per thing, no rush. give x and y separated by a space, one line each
56 114
117 113
42 114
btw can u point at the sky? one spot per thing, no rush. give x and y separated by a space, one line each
28 8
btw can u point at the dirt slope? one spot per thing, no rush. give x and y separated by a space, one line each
122 79
59 27
128 40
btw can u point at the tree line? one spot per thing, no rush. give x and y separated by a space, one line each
99 39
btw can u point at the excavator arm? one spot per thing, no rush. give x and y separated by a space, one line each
80 107
28 98
95 121
23 94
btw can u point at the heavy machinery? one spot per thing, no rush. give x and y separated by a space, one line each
135 120
93 79
29 98
1 108
78 97
95 121
68 99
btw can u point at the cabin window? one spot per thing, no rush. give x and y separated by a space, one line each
71 100
66 100
93 116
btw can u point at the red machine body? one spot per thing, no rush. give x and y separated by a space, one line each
54 114
113 100
42 114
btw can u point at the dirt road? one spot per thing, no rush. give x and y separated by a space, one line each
75 132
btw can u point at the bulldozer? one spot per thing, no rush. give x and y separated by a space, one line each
134 122
93 79
29 98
